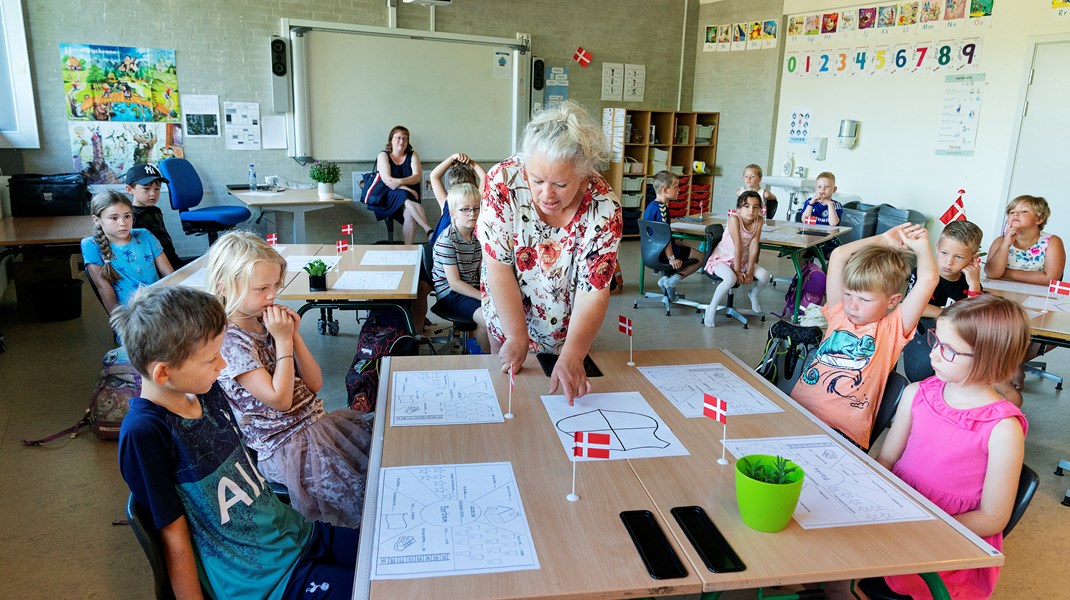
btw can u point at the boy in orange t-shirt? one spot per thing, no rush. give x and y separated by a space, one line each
868 327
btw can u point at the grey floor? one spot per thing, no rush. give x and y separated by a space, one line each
58 502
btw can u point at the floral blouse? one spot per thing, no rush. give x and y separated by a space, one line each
551 263
1030 259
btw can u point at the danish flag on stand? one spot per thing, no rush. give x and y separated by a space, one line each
341 246
1061 288
955 212
624 324
715 408
347 229
811 220
272 238
582 56
732 212
591 445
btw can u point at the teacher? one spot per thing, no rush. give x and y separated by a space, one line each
400 170
550 226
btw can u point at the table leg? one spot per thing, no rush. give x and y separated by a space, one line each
642 276
798 285
299 226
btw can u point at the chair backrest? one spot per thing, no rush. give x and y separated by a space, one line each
184 185
893 393
149 537
714 233
1027 487
770 209
653 237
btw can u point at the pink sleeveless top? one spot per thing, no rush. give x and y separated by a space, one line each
725 253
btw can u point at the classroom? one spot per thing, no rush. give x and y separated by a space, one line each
977 126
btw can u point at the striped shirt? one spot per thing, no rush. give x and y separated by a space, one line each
451 249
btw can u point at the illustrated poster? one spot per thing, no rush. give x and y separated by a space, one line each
102 152
118 83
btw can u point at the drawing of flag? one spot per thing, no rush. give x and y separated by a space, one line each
1061 288
582 56
347 229
732 212
715 408
272 238
955 212
624 324
341 246
591 445
809 220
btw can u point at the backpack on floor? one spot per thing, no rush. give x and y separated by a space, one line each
813 289
118 383
786 350
383 334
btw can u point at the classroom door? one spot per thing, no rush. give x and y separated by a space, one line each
1040 161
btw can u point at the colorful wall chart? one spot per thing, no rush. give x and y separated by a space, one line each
882 59
115 83
750 35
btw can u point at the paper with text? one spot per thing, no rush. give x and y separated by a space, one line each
368 280
390 257
443 398
684 385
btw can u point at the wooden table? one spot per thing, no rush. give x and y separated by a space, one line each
572 565
194 267
327 301
297 202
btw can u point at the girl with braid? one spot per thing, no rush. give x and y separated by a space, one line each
118 258
666 190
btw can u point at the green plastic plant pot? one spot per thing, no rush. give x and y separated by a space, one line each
767 506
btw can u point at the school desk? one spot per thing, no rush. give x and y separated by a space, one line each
399 298
584 550
297 202
201 262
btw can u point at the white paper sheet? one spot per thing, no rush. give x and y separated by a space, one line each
684 385
839 489
1053 303
1014 286
368 280
634 428
443 398
440 520
197 279
241 121
297 262
201 113
390 257
273 128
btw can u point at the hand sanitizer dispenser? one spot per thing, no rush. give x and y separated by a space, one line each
818 147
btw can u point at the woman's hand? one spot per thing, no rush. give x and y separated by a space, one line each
513 353
570 376
278 322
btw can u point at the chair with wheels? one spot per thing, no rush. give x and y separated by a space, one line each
186 191
714 233
1028 481
653 237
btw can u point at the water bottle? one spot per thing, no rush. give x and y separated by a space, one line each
252 177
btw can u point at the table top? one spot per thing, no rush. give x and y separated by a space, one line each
33 231
1053 324
297 289
286 197
786 234
611 566
201 262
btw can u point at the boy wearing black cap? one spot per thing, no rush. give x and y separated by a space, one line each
143 184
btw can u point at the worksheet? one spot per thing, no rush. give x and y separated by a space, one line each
1053 302
390 257
197 279
439 520
684 385
443 398
839 490
368 280
297 262
635 430
1014 286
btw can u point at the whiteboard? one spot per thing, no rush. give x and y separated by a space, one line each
453 94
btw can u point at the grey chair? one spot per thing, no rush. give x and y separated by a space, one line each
653 237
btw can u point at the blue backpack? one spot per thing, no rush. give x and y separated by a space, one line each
813 288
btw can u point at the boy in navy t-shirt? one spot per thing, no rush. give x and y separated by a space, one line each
667 189
223 529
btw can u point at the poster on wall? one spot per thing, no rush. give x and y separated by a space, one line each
118 83
710 45
612 81
556 86
1061 8
957 132
634 82
242 123
202 115
102 152
799 126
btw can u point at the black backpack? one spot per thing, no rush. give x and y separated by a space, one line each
383 334
786 350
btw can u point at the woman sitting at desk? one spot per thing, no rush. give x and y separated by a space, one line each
550 227
400 171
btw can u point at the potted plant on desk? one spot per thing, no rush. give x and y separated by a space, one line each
325 173
767 491
317 276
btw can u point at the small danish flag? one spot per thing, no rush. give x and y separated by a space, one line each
715 408
1061 288
809 220
582 56
591 445
347 229
272 238
624 324
732 212
341 246
955 212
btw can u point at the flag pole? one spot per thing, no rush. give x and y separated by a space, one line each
572 497
724 437
509 411
631 363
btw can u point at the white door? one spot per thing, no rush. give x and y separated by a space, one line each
1040 163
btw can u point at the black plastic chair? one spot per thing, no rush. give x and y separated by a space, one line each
653 237
149 537
770 209
714 233
893 393
461 326
1028 481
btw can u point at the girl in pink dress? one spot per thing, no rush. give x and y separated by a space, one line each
735 259
956 440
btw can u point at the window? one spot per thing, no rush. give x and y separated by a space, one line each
18 113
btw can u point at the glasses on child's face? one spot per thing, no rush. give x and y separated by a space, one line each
468 211
946 352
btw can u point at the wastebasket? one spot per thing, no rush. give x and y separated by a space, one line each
861 218
889 217
57 299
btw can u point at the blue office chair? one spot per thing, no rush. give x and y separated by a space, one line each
185 189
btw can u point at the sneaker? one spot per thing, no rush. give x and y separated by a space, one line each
670 287
661 283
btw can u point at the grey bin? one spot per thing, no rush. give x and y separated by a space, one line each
861 218
889 217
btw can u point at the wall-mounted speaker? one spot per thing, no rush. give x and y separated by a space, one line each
280 71
538 84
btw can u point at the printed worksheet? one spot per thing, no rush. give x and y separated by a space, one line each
635 429
443 398
390 257
1014 286
684 385
197 279
1053 302
297 262
439 520
839 490
368 280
